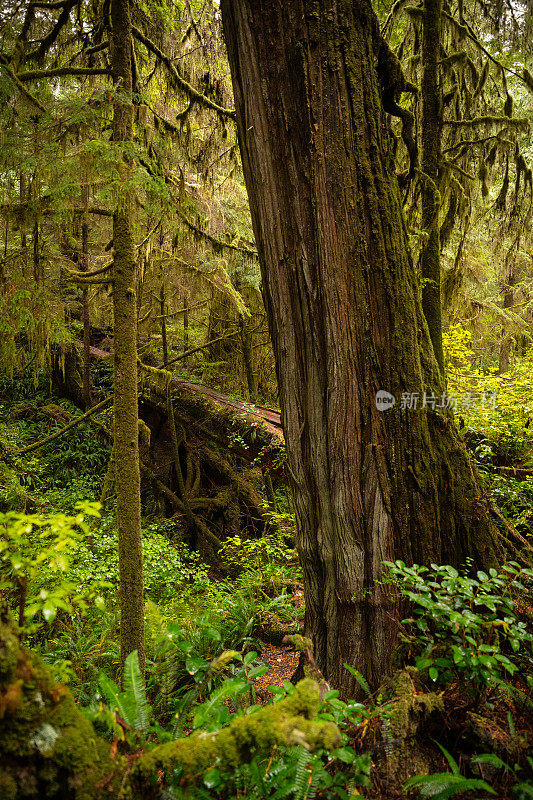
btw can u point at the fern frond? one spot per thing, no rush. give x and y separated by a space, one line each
114 697
302 774
135 691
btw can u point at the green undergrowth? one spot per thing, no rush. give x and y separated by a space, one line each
452 720
495 411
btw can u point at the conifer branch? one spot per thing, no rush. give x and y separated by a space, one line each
512 122
474 142
82 277
216 243
186 87
465 29
49 40
190 352
97 48
22 89
48 6
458 169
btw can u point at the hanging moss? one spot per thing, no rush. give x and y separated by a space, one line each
501 200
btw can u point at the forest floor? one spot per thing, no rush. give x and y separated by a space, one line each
208 615
282 662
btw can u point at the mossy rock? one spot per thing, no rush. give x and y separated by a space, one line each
48 749
12 495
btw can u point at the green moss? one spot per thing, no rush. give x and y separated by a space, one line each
411 713
48 749
286 723
411 707
300 643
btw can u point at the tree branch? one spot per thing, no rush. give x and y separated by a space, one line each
48 41
189 90
513 122
33 100
94 410
82 277
217 244
37 74
188 353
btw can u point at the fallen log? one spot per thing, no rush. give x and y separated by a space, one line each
212 476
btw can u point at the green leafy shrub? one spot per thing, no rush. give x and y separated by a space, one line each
495 408
265 554
170 569
36 552
466 627
81 452
514 499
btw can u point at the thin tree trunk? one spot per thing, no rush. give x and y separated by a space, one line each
126 442
23 238
247 357
86 377
506 345
341 295
185 326
37 275
162 307
430 155
162 301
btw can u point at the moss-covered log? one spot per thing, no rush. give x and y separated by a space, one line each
226 445
289 722
48 749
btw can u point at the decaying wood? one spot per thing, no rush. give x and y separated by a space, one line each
225 447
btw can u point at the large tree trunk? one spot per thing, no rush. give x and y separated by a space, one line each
125 350
346 321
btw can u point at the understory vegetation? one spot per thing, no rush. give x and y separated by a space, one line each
455 717
170 537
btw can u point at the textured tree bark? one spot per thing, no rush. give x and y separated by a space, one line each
126 446
346 320
430 155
